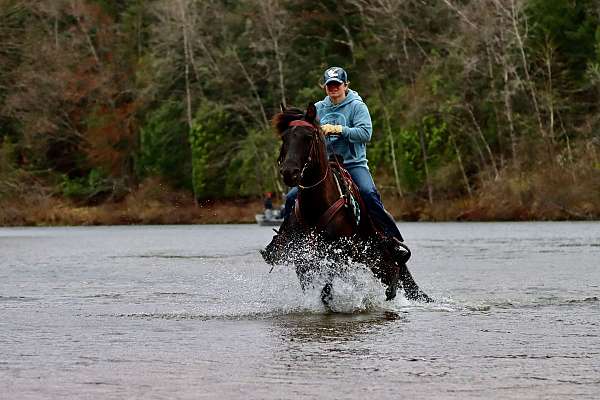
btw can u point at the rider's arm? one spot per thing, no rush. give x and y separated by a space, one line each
362 128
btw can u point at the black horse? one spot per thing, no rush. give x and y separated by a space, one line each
330 220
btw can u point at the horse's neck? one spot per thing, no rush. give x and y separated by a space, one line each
316 200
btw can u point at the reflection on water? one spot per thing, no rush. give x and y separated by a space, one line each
330 327
192 311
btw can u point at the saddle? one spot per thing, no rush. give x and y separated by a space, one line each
348 189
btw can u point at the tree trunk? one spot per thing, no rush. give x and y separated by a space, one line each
390 134
509 116
485 143
270 19
392 149
525 64
548 56
86 34
424 152
250 81
461 166
186 51
394 162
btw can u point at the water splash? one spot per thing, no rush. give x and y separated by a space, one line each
353 290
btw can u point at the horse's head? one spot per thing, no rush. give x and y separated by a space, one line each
299 133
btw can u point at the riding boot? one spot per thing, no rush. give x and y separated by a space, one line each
399 250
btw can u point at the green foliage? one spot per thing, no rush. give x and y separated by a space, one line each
226 160
253 169
435 137
308 94
8 156
212 144
13 180
593 68
13 18
164 148
86 188
567 26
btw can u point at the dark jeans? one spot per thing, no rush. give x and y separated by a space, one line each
362 177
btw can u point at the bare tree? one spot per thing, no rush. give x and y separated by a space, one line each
275 20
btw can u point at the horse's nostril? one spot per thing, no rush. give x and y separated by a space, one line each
295 172
290 175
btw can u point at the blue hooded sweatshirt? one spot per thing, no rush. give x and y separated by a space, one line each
353 115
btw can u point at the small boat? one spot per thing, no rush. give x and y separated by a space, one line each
269 218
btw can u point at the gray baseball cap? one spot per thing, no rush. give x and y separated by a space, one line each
335 74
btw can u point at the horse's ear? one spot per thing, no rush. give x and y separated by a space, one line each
282 107
311 113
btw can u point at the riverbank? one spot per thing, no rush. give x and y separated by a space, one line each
502 201
57 212
60 212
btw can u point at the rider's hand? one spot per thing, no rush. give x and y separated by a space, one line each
329 129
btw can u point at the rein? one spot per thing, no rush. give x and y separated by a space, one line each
316 184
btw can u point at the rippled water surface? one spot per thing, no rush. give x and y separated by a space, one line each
191 312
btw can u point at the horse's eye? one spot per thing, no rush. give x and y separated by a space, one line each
307 136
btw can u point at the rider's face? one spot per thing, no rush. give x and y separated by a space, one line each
336 91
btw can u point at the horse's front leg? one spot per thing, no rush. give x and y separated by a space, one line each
382 266
389 274
395 274
411 289
303 272
306 275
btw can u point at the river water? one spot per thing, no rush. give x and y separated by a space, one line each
188 312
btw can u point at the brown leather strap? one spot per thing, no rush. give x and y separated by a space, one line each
327 215
331 211
300 122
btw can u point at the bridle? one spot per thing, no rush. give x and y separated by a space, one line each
315 138
342 201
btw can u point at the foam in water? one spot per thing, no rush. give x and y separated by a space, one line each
354 290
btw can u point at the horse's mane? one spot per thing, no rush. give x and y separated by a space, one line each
281 121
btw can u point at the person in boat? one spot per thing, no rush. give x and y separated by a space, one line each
346 123
268 204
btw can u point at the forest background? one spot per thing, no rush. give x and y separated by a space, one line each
158 111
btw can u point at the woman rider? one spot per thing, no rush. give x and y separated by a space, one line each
346 123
